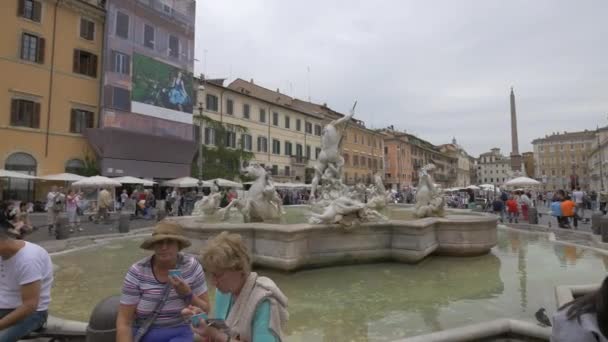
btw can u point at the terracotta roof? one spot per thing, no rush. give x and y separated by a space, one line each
255 90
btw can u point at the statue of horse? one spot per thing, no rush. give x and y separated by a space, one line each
263 203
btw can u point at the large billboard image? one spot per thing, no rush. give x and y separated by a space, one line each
161 90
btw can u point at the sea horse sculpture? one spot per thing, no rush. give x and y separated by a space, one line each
429 200
209 205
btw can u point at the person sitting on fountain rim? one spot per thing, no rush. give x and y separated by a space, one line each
26 276
252 307
584 319
158 287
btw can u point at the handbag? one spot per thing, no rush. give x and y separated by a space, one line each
143 329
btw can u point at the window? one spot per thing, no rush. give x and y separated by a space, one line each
173 46
87 29
30 9
355 160
299 151
298 125
230 139
317 152
32 48
274 170
346 159
262 144
85 63
276 146
149 36
122 25
287 171
262 115
246 111
80 120
275 118
75 166
25 113
121 98
308 127
287 122
121 63
229 107
210 138
246 142
318 130
307 151
211 102
288 151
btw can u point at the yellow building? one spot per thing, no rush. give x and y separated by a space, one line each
363 152
49 90
283 133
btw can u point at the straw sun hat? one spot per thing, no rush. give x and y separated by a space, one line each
166 231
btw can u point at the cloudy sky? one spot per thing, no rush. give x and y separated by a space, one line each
437 69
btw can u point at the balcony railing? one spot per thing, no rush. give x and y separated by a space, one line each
299 161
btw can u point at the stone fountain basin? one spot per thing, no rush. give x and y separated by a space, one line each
291 247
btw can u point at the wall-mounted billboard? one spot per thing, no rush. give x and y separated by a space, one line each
161 90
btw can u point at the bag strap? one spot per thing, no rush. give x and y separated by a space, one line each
148 322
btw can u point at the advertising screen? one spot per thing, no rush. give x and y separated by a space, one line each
161 90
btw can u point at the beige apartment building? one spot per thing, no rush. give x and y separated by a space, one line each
493 168
598 160
561 159
463 163
281 134
399 171
363 152
49 88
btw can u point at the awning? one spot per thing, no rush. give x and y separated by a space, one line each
122 152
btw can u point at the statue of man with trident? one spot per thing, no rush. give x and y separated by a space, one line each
330 156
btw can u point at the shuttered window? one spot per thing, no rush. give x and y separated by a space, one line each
121 98
32 48
81 120
25 113
29 9
87 29
85 63
121 63
122 25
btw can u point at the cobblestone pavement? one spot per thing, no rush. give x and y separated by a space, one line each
39 220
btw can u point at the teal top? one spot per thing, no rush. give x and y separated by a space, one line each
260 327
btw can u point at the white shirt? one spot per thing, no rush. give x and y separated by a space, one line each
30 264
578 196
50 199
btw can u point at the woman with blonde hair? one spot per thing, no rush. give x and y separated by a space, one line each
252 307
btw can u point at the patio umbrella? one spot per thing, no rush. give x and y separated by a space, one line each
63 177
226 183
185 182
13 174
522 181
473 187
487 186
134 180
96 182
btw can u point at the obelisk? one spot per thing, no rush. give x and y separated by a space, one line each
515 156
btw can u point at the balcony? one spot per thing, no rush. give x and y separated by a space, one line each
299 161
169 13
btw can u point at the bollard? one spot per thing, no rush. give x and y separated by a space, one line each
123 222
532 215
62 227
102 324
596 219
604 228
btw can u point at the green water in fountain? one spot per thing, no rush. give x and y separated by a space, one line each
375 302
301 213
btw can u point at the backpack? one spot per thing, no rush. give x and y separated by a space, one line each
58 203
504 197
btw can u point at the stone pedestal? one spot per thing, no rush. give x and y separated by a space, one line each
62 227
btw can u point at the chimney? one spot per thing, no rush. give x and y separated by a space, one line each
278 90
251 81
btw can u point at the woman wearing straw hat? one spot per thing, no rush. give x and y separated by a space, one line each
158 287
247 307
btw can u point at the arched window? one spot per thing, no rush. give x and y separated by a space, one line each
75 166
20 189
346 159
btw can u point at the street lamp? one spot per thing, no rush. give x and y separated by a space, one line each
599 151
201 89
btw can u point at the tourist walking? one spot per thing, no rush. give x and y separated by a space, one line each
253 307
71 207
584 319
124 197
569 213
525 203
25 287
556 211
104 203
157 288
579 199
498 209
50 213
512 210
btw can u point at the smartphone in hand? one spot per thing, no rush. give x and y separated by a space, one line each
175 272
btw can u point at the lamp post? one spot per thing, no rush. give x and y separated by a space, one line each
201 89
599 151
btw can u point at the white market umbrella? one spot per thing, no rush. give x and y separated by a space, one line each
473 187
522 181
487 186
13 174
134 180
226 183
63 177
184 182
96 182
